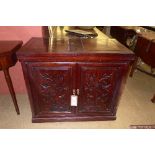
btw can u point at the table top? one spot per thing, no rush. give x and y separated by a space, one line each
63 42
9 46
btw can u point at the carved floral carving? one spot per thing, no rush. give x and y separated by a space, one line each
54 90
97 90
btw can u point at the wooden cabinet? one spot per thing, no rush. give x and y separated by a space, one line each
69 67
53 83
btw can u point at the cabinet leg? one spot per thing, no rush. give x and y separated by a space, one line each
11 89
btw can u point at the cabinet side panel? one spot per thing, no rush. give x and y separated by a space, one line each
28 86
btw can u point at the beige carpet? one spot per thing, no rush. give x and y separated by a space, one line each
135 108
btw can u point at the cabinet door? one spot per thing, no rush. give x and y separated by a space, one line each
99 86
51 86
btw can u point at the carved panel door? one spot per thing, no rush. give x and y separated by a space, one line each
98 86
51 86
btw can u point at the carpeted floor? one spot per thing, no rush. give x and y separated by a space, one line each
135 108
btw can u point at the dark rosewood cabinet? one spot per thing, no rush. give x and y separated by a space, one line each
94 70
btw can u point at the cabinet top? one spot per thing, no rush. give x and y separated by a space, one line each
64 43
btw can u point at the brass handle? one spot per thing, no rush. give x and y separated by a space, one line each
73 91
78 92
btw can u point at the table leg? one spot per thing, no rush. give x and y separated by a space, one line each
133 67
11 89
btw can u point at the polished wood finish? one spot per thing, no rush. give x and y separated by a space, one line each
8 59
95 69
